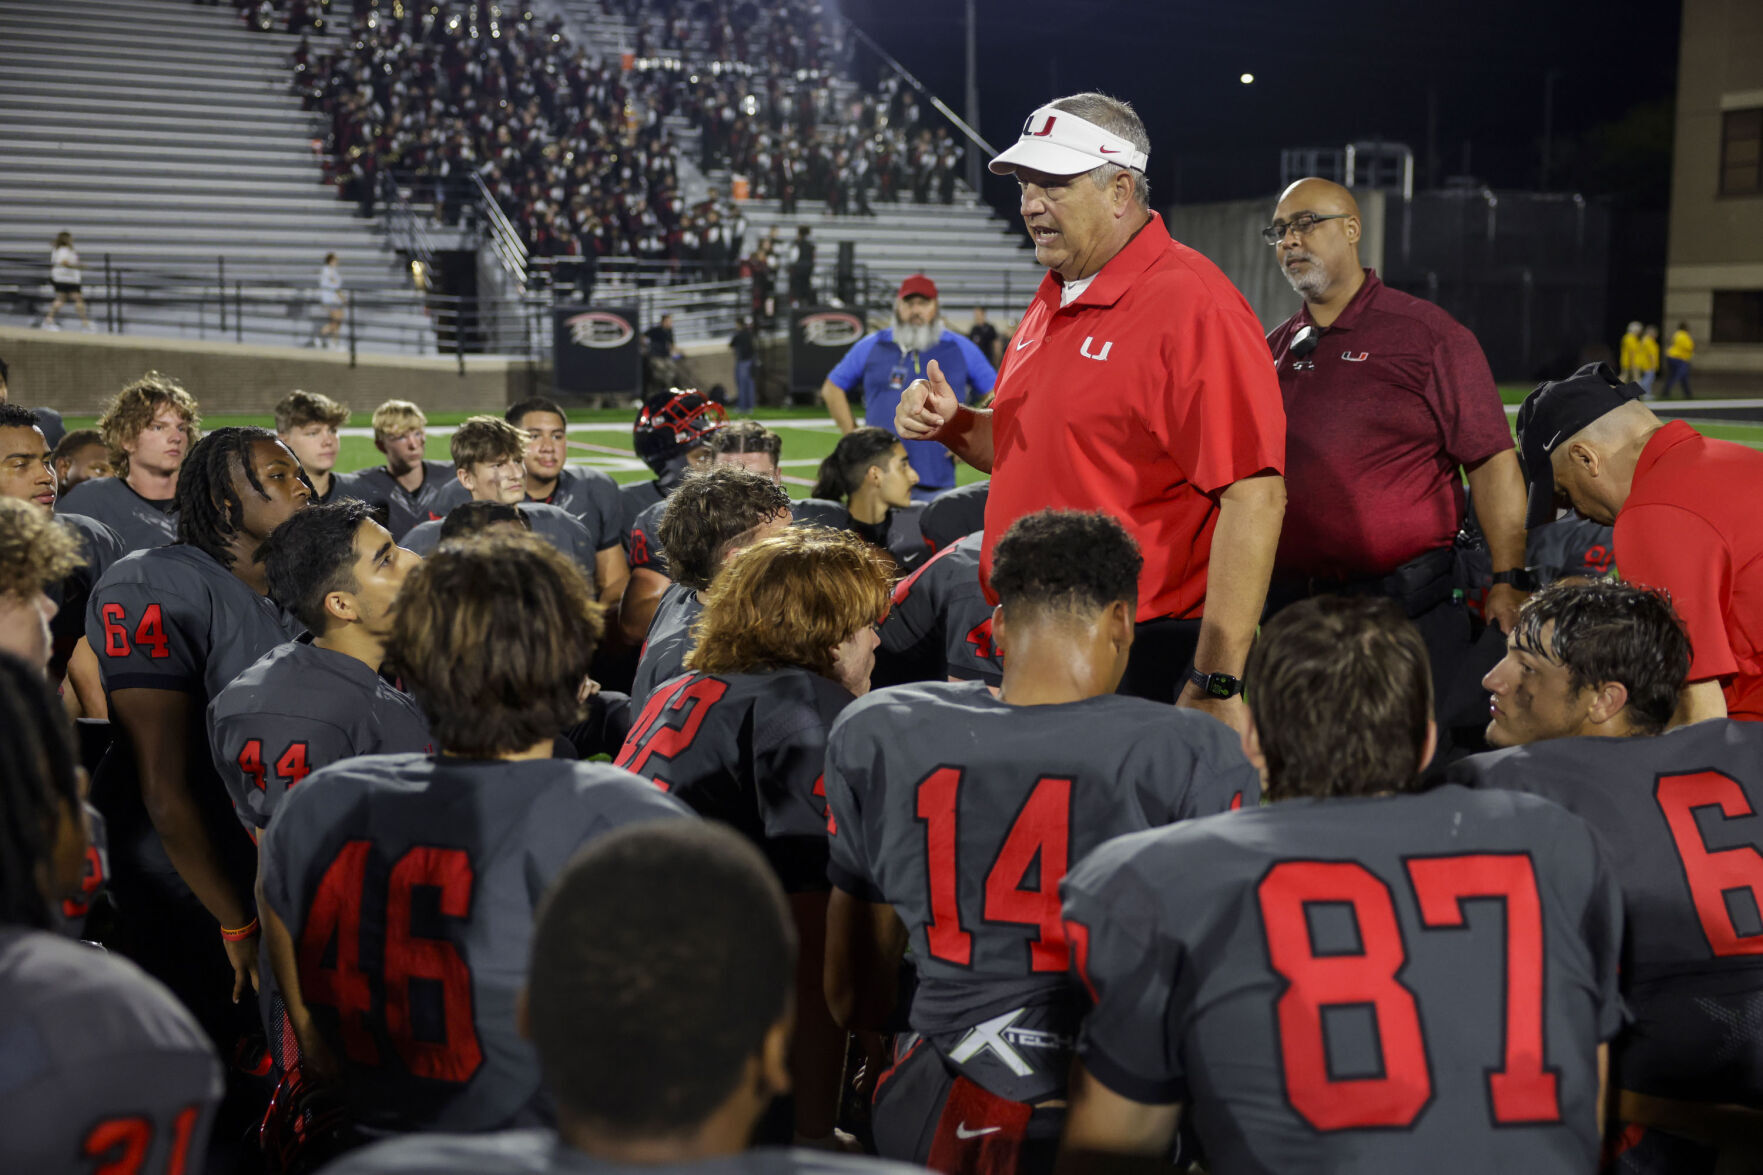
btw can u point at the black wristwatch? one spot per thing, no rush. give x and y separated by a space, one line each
1518 577
1217 685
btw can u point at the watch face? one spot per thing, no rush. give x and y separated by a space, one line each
1222 685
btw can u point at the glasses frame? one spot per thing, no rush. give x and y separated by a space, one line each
1276 232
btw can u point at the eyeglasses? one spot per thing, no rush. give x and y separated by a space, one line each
1276 232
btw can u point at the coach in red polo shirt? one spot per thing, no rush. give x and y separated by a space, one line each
1387 397
1138 384
1685 509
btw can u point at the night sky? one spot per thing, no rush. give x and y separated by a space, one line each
1326 73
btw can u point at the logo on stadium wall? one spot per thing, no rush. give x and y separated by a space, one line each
600 330
831 330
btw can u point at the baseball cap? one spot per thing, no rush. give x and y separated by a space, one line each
918 286
1552 414
1058 142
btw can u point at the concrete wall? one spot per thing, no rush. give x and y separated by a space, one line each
1230 235
1716 241
76 373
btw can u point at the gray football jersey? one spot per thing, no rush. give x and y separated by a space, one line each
404 509
964 812
101 1069
1570 546
100 547
634 497
300 708
139 523
551 523
409 884
670 639
593 498
541 1152
1394 983
940 624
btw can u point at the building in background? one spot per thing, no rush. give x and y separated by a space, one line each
1714 262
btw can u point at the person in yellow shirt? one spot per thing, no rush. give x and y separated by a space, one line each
1677 362
1630 353
1647 363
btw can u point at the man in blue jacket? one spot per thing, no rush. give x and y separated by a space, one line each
884 362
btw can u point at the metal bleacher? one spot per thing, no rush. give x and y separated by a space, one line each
165 137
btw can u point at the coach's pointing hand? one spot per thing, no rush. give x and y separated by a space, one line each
925 406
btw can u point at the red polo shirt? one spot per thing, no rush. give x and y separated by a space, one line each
1378 418
1690 526
1143 399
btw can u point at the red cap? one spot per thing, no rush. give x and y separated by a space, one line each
918 286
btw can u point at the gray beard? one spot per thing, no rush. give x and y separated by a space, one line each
1310 285
917 338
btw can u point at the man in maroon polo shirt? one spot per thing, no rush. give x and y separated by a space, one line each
1137 384
1685 512
1386 398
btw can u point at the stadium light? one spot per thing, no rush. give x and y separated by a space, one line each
1247 79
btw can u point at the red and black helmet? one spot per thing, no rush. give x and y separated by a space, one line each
671 423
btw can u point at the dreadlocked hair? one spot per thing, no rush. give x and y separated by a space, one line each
38 785
210 510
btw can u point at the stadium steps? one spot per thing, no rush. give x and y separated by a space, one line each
165 136
975 257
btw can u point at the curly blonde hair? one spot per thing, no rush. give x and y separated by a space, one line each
134 408
790 600
34 550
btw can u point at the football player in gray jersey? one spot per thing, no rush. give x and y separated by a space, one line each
787 641
318 699
407 487
710 516
868 470
308 423
397 892
103 1069
659 1000
1591 680
171 627
953 815
588 494
487 463
1361 976
150 426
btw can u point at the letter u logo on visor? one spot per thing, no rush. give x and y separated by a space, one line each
1044 131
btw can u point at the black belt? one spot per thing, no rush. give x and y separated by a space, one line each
1419 585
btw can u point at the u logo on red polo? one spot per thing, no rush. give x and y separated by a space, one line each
1100 356
1043 132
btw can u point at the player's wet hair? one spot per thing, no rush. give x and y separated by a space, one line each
494 636
469 518
134 408
1608 631
709 514
1067 561
39 787
662 957
482 439
35 551
1341 692
17 416
74 441
394 418
534 404
789 601
747 436
842 473
312 555
210 510
300 408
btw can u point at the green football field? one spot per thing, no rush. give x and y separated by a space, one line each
602 439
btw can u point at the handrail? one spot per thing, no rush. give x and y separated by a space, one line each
504 240
943 107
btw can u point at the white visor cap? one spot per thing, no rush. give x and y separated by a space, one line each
1058 142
